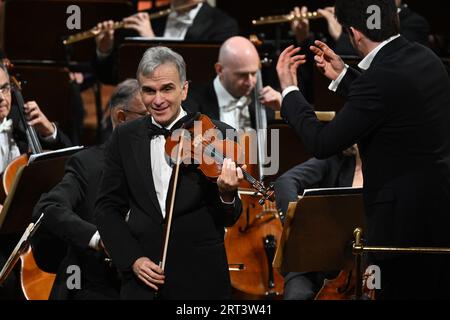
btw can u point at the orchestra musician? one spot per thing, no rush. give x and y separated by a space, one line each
228 97
397 111
341 170
69 211
13 143
137 176
198 23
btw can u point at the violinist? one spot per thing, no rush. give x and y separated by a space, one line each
137 177
228 97
200 22
69 211
341 170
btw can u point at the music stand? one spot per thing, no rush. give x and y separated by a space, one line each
40 175
20 249
318 231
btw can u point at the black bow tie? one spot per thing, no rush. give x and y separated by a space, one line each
188 120
154 130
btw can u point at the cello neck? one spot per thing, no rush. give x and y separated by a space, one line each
32 137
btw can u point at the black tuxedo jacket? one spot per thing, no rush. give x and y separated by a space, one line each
334 172
398 113
210 25
197 265
69 216
204 98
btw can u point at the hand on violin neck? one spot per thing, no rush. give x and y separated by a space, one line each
229 179
37 119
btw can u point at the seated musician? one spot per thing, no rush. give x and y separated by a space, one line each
228 97
137 176
13 143
69 211
199 23
342 170
12 132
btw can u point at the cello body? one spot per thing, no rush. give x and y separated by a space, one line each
251 244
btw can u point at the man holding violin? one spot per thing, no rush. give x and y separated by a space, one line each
138 176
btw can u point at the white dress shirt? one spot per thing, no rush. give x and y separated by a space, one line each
8 147
178 24
234 112
161 166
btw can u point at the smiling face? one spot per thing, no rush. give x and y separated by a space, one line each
162 93
5 95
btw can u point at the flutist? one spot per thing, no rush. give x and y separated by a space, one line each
200 22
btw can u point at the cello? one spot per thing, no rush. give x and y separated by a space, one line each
36 284
251 243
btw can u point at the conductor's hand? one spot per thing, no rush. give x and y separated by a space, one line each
141 23
287 65
149 272
328 62
37 119
105 38
229 179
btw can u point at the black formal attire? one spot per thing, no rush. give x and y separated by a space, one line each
69 216
196 265
334 172
210 25
397 111
204 98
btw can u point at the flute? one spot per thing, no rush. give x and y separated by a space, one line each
121 24
286 18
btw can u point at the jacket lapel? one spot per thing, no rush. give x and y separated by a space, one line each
141 152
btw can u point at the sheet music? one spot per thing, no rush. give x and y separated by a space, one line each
331 191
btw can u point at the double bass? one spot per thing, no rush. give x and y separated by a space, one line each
252 242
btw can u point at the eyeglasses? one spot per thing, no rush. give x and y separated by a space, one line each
142 114
6 88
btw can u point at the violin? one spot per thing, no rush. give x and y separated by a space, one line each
203 146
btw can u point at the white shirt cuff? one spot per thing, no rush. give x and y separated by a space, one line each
289 90
53 136
228 203
335 83
95 240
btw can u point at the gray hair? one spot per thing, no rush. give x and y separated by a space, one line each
124 92
156 56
